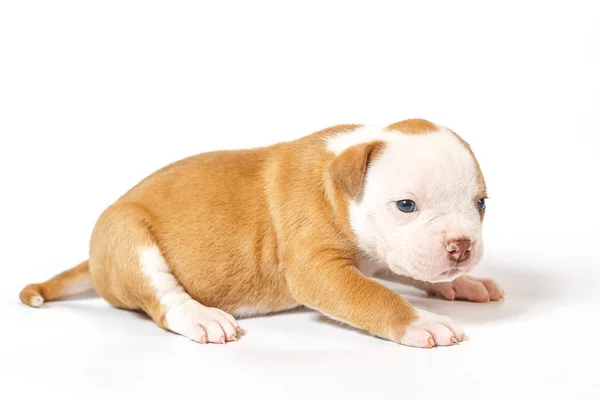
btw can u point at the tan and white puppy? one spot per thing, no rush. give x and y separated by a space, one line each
241 233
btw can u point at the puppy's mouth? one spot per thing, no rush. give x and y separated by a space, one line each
457 268
435 271
451 273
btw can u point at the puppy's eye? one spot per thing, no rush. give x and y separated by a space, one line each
481 204
406 206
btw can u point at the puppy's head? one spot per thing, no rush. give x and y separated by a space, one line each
416 197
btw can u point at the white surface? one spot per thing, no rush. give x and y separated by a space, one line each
95 96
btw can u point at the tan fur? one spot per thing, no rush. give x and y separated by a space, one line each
413 126
266 228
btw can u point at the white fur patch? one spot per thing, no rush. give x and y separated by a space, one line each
36 301
168 290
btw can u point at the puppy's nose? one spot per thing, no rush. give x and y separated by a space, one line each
458 249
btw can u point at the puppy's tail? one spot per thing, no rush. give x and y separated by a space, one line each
73 281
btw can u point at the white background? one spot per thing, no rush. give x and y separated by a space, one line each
94 96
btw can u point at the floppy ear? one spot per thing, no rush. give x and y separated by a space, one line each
348 169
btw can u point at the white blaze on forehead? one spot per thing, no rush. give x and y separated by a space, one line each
436 162
435 167
364 134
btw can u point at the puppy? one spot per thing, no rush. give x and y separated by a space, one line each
241 233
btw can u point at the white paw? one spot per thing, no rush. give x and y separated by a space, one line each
202 324
432 330
36 301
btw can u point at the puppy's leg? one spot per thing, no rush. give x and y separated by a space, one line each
465 287
329 283
128 269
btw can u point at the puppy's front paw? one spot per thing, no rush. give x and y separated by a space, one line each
467 288
432 330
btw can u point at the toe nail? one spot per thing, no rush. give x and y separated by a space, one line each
234 338
431 342
453 340
239 330
203 340
222 340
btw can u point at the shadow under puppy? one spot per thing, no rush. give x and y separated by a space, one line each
239 233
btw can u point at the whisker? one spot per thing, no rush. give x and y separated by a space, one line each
431 220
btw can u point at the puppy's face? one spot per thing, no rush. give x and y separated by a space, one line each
422 204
